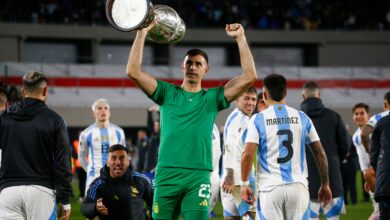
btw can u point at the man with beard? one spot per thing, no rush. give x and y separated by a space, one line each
188 113
119 192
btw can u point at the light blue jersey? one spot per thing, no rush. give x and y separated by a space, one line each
364 157
375 118
281 133
234 130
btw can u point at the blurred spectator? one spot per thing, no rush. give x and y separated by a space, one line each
13 95
154 142
142 147
266 14
132 153
80 172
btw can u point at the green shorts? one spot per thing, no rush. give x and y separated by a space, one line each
179 190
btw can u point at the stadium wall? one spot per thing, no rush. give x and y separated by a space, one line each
322 48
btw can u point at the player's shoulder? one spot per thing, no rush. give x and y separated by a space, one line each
97 182
88 130
384 120
141 177
378 116
116 127
234 114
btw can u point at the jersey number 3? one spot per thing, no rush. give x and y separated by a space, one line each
287 144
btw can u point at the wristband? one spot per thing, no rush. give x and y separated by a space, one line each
244 183
66 207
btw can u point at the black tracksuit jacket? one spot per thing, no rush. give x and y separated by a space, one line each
123 197
380 158
35 148
333 136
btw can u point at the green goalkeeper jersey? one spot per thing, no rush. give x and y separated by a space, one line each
186 121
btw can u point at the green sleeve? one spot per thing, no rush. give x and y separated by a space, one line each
159 93
222 102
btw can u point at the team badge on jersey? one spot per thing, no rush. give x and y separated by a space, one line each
105 138
134 191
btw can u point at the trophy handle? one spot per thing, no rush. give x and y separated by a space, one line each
170 27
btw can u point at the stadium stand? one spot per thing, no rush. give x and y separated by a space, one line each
265 14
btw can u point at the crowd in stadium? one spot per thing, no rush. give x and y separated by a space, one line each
261 14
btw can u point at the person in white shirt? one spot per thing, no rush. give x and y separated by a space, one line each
360 116
214 176
233 205
95 140
278 136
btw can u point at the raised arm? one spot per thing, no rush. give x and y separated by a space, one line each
324 194
235 87
146 82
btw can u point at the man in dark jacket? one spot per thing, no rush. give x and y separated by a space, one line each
35 166
333 135
380 161
119 193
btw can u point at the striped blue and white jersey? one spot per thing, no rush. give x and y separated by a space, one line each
216 145
364 157
375 118
94 143
281 133
235 126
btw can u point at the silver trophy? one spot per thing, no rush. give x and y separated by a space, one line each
130 15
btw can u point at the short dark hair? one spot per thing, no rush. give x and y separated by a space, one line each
276 85
251 90
33 81
194 52
361 105
117 147
310 89
387 97
260 96
310 85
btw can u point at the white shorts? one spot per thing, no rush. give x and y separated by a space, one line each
27 202
214 180
234 205
290 202
333 209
